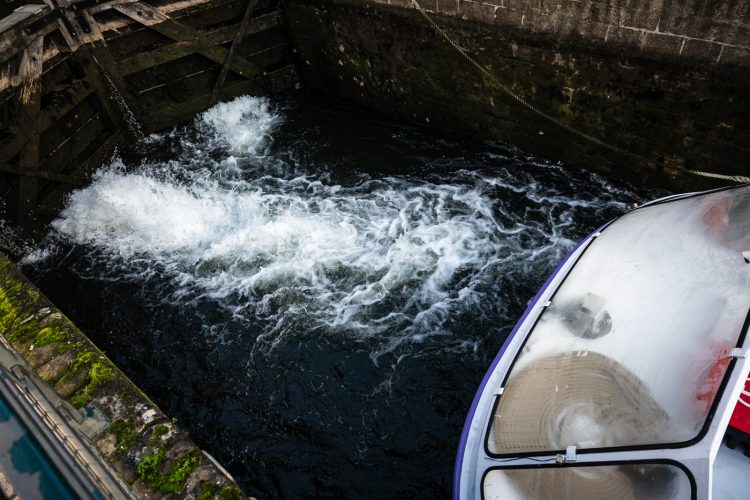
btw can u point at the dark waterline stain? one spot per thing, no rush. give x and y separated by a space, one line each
317 414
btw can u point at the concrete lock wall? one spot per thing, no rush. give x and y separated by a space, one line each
664 81
96 403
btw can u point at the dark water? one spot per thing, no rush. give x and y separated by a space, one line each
314 293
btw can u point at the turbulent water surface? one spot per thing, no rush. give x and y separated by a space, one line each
315 294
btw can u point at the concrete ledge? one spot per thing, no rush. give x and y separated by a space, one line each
147 450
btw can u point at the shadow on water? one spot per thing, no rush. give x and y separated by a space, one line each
312 292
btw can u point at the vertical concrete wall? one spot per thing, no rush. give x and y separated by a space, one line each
666 81
714 31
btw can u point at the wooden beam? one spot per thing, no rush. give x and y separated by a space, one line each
251 6
95 9
8 78
145 60
44 121
75 143
40 174
30 74
13 36
112 27
173 51
166 116
160 22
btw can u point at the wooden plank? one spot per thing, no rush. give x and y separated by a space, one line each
75 144
68 25
12 44
113 27
177 50
166 116
44 121
7 77
94 34
107 6
274 81
70 40
40 174
18 16
13 37
251 6
121 106
272 56
113 95
30 75
158 21
183 8
102 154
221 15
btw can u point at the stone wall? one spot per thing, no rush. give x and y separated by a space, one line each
711 31
147 450
663 80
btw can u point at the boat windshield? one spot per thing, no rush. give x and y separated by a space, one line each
630 481
633 348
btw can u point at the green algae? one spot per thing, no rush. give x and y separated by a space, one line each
149 469
49 335
126 435
99 373
207 490
82 359
67 346
33 294
157 433
17 321
230 493
9 312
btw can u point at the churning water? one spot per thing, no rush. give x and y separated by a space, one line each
315 294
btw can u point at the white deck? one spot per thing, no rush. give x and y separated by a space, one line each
731 479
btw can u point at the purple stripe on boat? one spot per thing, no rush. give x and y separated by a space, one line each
478 395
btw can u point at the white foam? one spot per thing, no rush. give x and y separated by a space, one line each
394 258
244 125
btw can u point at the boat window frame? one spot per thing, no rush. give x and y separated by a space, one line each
657 461
613 449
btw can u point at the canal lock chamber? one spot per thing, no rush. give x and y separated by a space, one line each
301 295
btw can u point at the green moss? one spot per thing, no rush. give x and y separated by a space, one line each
181 469
66 346
207 490
158 432
14 298
78 400
83 359
230 493
9 313
149 469
49 335
18 322
99 374
126 436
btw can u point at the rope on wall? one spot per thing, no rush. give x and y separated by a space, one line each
569 128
